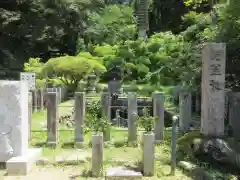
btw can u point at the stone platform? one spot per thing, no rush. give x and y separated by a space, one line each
116 173
22 165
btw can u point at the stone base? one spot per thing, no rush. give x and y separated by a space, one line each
22 165
116 173
52 144
79 145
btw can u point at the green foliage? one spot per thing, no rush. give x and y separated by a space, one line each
94 108
42 28
72 69
147 122
195 3
110 25
164 58
226 29
34 65
98 124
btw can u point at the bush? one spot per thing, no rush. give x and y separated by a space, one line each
72 69
147 122
93 108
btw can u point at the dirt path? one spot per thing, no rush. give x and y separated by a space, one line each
47 173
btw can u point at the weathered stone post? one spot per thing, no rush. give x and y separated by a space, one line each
185 108
52 118
213 89
34 101
106 111
40 103
132 117
234 114
60 94
174 145
149 154
91 83
97 154
29 115
79 115
197 103
158 111
14 151
227 103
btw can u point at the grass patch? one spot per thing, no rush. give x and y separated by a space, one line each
118 153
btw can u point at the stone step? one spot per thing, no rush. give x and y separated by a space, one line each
116 173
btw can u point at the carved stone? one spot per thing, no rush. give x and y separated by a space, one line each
213 89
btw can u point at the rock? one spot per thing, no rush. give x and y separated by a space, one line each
73 158
116 173
76 158
187 165
43 162
59 159
198 173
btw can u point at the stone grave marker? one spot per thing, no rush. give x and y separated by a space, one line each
14 128
213 89
114 86
30 77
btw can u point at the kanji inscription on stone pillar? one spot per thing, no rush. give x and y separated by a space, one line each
213 89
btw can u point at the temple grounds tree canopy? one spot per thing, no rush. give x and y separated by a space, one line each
72 69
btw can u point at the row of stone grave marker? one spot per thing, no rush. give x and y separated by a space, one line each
37 97
79 115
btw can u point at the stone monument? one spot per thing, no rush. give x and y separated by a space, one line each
14 128
211 143
91 83
114 77
30 77
213 89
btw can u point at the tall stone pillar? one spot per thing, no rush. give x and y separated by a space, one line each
158 111
52 118
106 111
132 117
213 89
185 108
79 116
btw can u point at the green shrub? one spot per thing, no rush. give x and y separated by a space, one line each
147 122
93 108
99 124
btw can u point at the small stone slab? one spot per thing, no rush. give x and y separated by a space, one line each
43 162
22 165
73 158
116 173
187 165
